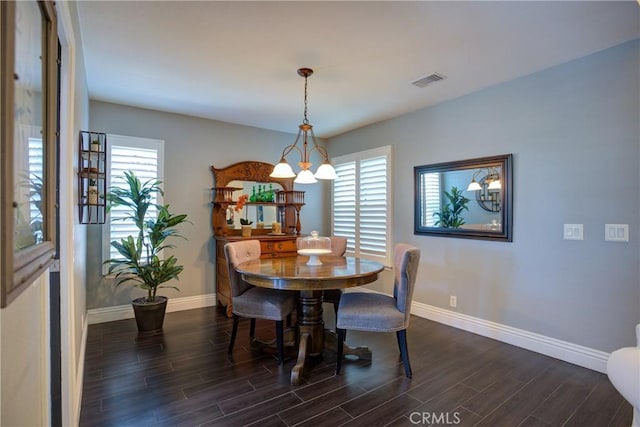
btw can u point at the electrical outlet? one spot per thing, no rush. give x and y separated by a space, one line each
453 301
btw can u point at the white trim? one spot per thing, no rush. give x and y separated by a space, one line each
558 349
71 377
121 312
563 350
77 402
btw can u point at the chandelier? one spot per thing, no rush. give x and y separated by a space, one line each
305 130
490 180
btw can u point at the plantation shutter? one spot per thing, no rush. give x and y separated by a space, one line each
430 191
344 203
36 174
361 204
373 207
145 158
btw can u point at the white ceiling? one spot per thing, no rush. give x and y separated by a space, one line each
236 61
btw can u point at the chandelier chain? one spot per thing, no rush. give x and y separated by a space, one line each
305 120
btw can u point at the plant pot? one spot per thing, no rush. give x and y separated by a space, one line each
149 315
246 231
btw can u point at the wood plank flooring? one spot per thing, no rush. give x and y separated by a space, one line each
184 377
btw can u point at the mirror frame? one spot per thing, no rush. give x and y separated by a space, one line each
20 268
505 162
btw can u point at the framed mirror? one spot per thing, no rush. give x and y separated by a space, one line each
470 199
261 211
28 104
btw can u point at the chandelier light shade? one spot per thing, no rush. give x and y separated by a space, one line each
491 180
305 133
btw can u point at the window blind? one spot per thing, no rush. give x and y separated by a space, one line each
361 203
430 190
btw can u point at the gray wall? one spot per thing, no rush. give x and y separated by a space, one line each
192 146
573 131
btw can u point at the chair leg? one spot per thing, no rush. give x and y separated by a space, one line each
234 332
280 341
252 329
341 335
335 310
404 351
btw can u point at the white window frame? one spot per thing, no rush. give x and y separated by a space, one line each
353 245
135 143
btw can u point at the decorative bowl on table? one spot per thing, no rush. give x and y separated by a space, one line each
313 246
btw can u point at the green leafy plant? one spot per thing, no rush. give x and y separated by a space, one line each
141 262
451 214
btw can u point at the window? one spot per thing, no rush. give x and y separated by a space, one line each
361 203
146 158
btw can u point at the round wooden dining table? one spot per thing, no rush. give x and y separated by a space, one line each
293 274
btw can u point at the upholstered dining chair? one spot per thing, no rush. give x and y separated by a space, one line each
382 313
254 302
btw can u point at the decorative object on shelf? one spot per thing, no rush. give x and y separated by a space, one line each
140 258
92 192
244 222
305 176
92 177
313 246
230 215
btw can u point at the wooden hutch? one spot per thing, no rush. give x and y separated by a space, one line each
287 203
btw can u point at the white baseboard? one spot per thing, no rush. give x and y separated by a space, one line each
120 312
562 350
558 349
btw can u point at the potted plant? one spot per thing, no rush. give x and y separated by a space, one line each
140 259
244 222
451 214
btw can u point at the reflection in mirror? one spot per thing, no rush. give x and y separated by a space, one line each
257 209
470 198
28 148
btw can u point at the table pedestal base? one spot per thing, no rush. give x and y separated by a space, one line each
314 337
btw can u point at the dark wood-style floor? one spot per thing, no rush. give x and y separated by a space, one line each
184 377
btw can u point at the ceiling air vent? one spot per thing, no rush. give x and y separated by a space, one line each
426 80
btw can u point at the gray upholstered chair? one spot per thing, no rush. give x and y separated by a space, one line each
252 301
382 313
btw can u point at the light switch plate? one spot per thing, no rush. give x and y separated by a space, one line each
573 232
616 232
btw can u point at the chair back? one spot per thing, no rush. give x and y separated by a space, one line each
406 260
338 245
237 253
